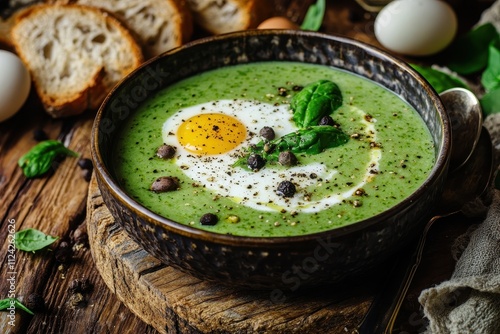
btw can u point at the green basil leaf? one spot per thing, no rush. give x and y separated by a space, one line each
8 302
314 16
311 140
469 53
40 158
491 75
490 102
30 240
316 100
439 80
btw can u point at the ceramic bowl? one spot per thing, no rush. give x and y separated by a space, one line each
278 262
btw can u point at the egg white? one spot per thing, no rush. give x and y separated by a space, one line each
256 189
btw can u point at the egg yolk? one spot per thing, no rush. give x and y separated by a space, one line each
212 133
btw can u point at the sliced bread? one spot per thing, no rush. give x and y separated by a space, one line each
159 25
222 16
75 54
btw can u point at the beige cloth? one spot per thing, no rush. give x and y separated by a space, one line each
470 301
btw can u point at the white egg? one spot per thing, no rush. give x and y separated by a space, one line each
209 163
15 84
416 27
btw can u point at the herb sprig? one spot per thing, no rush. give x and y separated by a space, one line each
7 303
31 240
314 16
41 157
476 51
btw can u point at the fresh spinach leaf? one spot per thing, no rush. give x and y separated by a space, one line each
31 240
311 140
8 302
439 80
490 102
314 16
491 75
316 100
469 53
40 158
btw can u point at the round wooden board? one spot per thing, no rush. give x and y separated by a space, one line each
174 302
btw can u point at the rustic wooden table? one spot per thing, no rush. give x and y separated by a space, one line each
63 287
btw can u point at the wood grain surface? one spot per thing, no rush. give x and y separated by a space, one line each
57 204
174 302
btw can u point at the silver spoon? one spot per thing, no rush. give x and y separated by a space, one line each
470 175
466 119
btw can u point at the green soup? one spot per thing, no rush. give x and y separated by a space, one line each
388 154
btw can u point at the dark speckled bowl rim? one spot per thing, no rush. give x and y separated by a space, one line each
440 166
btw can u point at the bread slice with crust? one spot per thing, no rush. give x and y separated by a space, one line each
75 54
159 25
222 16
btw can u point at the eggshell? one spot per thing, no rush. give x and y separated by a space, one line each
278 22
416 27
15 84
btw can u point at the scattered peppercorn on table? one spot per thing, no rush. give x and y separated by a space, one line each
61 284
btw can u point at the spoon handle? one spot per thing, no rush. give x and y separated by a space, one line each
384 309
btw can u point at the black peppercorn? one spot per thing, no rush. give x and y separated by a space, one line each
85 164
87 174
165 183
286 189
166 151
255 162
35 302
267 133
209 219
80 236
40 135
287 158
64 252
326 120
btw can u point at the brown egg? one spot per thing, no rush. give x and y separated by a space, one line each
277 22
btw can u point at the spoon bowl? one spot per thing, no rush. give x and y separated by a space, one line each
466 118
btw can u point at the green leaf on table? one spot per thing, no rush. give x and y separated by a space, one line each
8 303
314 16
40 158
439 80
491 75
311 140
469 53
490 102
31 240
321 98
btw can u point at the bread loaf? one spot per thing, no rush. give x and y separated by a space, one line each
222 16
159 25
75 54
